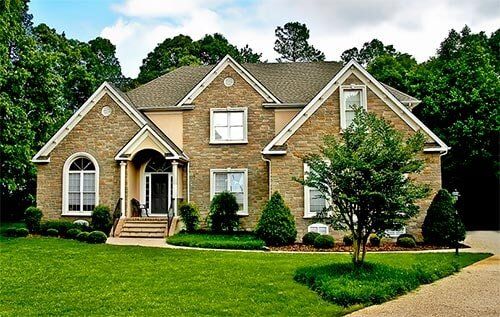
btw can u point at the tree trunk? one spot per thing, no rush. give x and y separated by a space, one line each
357 247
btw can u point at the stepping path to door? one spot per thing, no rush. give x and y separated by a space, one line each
475 291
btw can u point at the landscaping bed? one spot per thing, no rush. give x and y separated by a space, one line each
236 240
387 246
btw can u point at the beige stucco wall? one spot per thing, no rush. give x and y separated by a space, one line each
282 117
171 123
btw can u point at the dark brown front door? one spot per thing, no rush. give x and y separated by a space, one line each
159 193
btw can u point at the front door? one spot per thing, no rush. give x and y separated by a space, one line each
160 184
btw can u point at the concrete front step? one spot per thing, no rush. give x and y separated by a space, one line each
144 229
145 225
125 234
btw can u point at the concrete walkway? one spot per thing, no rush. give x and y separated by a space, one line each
475 291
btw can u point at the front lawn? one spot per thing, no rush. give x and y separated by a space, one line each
50 276
242 241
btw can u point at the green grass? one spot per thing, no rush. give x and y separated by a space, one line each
241 241
55 277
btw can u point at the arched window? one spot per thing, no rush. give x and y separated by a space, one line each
80 184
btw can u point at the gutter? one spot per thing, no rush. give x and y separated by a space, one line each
269 175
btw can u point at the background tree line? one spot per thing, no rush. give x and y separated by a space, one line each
45 77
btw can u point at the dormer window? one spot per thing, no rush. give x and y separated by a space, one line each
228 125
351 97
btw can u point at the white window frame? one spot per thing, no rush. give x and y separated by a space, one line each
395 233
319 225
65 184
243 212
307 196
363 100
227 110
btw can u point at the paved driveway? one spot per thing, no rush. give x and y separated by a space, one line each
475 291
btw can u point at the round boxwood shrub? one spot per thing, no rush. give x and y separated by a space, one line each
73 233
406 242
442 224
374 240
82 236
97 237
347 239
101 218
52 232
22 232
276 225
62 226
10 232
82 224
308 238
223 215
324 242
32 218
190 216
405 235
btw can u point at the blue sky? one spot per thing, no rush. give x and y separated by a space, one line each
137 26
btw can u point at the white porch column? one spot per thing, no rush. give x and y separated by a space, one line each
175 181
123 168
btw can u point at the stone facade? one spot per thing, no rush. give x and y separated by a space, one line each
102 137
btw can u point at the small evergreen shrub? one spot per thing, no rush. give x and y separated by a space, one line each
73 233
101 218
374 240
405 235
82 236
81 224
276 225
347 239
223 213
62 226
442 224
52 232
308 238
324 242
10 232
406 242
32 219
190 216
22 232
96 237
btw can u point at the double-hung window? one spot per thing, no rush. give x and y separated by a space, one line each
228 125
80 185
351 97
234 181
314 201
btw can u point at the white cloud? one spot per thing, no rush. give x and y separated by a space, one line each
415 27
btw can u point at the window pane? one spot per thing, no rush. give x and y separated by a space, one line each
81 164
220 182
88 202
147 191
74 202
220 119
236 133
316 201
74 182
349 117
221 133
236 118
352 98
236 182
322 230
89 182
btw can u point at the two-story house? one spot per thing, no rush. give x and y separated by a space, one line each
201 130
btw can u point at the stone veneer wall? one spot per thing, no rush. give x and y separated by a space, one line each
102 137
309 139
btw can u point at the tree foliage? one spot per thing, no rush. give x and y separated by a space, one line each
368 52
292 44
363 176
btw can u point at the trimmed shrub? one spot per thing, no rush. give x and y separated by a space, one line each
62 226
442 224
308 238
81 224
52 232
374 240
10 232
101 219
405 235
223 213
32 218
190 216
324 242
276 225
73 233
406 242
96 237
82 236
22 232
347 239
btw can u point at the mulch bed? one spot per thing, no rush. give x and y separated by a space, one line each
388 246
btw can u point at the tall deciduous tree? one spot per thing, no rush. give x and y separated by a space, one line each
364 177
292 44
368 52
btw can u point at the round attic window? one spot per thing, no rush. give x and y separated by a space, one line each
106 111
228 81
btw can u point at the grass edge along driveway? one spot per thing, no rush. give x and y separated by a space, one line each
50 276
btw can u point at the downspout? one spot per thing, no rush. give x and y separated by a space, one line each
188 191
268 173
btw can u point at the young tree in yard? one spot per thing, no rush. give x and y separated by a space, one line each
293 46
363 176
